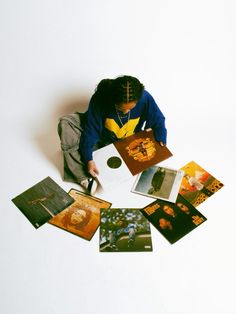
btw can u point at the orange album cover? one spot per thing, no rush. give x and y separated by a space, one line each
198 184
83 216
141 151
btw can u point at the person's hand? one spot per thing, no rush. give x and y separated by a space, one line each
92 168
161 143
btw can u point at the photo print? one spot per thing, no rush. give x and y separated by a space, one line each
159 182
124 230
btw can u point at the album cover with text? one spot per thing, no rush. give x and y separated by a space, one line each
83 216
198 184
124 230
173 220
43 201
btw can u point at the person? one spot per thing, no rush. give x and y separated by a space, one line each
132 235
118 108
184 208
76 217
169 211
165 224
157 180
197 185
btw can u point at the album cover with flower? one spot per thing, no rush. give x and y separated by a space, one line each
198 184
42 201
82 218
141 151
173 220
124 230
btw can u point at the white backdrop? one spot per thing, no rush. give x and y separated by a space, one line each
53 53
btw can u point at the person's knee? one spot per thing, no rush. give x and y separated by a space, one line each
69 136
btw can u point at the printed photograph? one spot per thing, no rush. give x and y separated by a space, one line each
159 182
124 230
173 221
141 151
82 218
198 184
42 201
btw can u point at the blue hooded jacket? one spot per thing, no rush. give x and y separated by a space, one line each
107 125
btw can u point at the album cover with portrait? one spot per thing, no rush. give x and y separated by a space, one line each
82 218
159 182
198 184
124 230
42 201
141 151
173 221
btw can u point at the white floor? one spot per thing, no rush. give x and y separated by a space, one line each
52 56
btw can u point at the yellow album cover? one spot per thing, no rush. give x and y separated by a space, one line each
198 184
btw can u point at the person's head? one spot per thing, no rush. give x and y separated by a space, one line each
127 91
184 208
77 217
123 92
165 224
169 210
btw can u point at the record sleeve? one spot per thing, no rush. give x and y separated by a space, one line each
141 151
82 218
198 184
173 221
42 201
112 169
124 230
159 182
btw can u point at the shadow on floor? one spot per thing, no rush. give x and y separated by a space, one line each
47 138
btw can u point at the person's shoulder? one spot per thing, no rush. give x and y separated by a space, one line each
146 99
146 96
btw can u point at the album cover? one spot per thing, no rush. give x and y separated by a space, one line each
173 221
42 201
159 182
124 230
83 216
198 184
112 169
141 151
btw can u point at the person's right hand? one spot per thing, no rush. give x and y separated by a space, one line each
92 168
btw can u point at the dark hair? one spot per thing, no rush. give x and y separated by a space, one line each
126 89
122 89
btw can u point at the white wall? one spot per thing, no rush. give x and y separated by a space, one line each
53 53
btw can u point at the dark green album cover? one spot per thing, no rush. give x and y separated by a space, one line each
173 220
42 201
